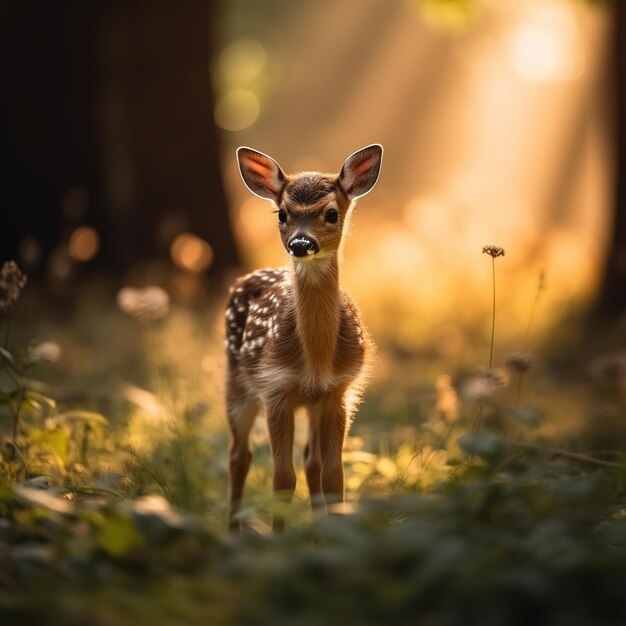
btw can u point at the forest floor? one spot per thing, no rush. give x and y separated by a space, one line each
491 496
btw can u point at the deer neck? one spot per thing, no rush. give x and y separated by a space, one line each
317 312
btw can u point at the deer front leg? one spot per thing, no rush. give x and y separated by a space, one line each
280 422
241 418
333 422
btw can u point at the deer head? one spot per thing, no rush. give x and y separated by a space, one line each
311 207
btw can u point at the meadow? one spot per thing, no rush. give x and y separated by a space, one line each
483 487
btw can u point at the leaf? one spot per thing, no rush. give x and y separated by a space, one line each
8 358
39 400
56 440
386 467
485 445
42 498
82 416
117 534
38 482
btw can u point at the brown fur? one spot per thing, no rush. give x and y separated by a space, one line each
293 339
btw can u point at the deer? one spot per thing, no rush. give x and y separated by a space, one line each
294 339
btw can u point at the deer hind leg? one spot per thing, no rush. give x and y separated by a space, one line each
280 422
333 425
241 415
313 458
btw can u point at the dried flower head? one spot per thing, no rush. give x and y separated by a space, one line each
12 281
609 367
46 352
493 251
602 414
485 383
519 361
496 375
150 304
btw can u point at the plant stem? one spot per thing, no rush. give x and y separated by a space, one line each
530 321
519 388
7 330
16 415
493 310
531 317
566 453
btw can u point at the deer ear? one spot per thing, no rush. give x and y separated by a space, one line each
360 171
261 174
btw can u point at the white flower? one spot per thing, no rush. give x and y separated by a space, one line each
147 305
44 352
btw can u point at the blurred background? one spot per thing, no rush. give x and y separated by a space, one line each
502 122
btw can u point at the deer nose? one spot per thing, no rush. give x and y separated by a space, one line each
301 245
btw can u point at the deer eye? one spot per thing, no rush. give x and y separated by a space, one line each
282 216
331 216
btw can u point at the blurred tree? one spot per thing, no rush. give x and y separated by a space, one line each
106 118
611 300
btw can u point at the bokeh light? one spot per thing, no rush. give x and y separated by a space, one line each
545 45
190 252
84 244
237 110
240 63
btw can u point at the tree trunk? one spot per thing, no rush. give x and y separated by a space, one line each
110 101
161 152
611 302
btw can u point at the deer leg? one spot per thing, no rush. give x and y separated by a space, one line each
333 432
280 422
313 459
241 418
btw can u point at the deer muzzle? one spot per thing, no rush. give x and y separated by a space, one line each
302 245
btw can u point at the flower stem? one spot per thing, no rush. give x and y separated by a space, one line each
7 331
493 309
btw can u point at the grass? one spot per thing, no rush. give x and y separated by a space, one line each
112 492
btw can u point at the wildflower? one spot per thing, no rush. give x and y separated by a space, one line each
150 304
12 281
602 414
496 376
519 361
528 416
46 352
485 383
156 303
609 367
493 251
447 401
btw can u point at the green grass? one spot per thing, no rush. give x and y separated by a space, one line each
112 503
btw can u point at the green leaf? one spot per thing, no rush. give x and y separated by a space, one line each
82 416
39 400
7 357
57 440
117 534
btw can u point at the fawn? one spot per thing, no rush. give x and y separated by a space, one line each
293 338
